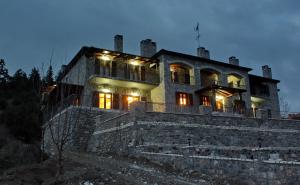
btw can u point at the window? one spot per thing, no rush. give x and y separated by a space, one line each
127 100
105 100
180 74
204 100
264 90
184 99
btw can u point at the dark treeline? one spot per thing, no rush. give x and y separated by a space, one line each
20 102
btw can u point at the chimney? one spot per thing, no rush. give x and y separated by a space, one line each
118 43
148 48
234 61
267 72
202 52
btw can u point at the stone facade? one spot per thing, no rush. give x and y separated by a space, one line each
174 79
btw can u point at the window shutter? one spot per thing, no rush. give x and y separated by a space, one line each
175 77
95 99
177 95
190 99
97 67
116 101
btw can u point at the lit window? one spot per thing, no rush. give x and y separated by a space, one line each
219 102
101 100
131 99
105 101
205 101
108 101
182 99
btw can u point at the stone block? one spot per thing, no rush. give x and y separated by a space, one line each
205 110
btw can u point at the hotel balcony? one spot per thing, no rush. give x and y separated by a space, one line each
124 75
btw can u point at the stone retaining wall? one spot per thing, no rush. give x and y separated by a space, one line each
246 172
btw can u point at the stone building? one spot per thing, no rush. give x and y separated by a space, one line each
168 81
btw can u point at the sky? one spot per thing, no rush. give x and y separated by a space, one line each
258 32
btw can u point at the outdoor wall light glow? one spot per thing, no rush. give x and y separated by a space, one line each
105 57
134 62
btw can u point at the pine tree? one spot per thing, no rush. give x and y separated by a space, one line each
3 73
35 79
49 76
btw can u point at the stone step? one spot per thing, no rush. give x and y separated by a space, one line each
265 153
220 120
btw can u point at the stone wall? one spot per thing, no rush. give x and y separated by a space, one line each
77 121
252 151
235 170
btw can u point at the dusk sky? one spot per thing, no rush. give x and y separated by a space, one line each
257 32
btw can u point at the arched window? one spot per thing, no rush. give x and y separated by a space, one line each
209 77
235 81
180 73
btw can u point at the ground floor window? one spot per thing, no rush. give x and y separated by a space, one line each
105 101
219 103
127 100
184 99
204 100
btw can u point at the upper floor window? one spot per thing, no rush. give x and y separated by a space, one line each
264 89
180 74
235 81
209 77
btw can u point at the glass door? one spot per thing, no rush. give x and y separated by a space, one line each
105 100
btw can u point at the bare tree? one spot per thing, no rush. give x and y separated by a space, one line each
61 129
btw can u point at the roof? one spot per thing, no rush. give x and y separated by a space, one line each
192 57
262 79
90 51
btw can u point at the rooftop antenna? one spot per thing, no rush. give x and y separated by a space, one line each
196 29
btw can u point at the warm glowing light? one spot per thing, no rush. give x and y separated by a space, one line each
105 101
135 94
219 97
183 99
134 62
105 57
105 90
106 52
131 99
219 102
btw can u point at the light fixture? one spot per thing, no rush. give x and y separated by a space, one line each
105 90
135 92
105 57
134 62
106 52
219 97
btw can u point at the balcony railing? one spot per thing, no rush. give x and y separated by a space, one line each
236 85
150 76
207 83
183 78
